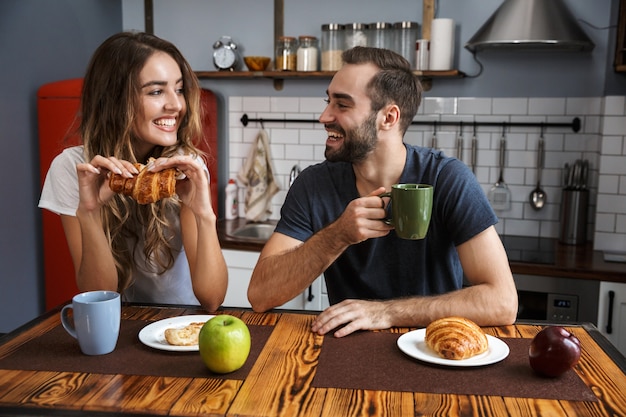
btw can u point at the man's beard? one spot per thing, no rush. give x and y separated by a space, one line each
358 143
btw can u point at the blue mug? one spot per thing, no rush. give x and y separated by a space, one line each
95 321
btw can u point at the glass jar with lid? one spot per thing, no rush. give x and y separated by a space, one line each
355 35
307 53
332 46
380 35
286 54
405 35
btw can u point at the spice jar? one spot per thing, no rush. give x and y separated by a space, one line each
307 53
286 54
355 35
405 35
332 46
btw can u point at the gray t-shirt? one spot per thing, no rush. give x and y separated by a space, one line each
391 267
60 195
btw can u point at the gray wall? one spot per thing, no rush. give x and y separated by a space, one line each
40 41
44 41
195 24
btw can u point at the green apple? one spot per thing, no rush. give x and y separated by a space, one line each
224 343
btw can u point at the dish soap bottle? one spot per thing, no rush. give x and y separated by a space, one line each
231 209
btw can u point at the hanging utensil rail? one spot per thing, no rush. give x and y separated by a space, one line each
574 125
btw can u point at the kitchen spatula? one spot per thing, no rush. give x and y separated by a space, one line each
500 195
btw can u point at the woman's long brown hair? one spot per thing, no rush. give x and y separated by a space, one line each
109 106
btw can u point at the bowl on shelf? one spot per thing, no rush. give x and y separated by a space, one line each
257 63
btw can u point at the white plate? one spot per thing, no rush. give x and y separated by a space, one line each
153 334
414 345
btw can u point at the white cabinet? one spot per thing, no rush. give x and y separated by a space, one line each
240 266
616 331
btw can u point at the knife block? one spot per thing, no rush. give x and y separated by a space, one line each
574 204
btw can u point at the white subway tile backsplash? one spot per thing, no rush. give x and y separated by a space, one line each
611 203
476 106
256 104
591 124
284 104
601 140
510 106
299 152
314 105
438 105
608 184
521 227
284 136
620 223
546 106
622 185
614 105
614 125
585 106
613 165
610 241
605 222
612 145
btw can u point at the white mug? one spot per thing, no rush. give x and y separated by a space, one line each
96 321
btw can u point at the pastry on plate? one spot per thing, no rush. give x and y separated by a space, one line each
184 336
456 338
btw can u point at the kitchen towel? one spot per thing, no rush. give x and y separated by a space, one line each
257 174
441 45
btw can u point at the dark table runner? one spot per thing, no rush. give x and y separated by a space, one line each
56 350
373 361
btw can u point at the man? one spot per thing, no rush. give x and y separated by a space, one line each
331 219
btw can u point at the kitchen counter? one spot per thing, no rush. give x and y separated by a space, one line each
527 255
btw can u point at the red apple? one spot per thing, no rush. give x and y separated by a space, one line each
553 351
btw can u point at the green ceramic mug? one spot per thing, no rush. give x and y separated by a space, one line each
411 207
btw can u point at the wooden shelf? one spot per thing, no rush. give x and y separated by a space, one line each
620 53
426 77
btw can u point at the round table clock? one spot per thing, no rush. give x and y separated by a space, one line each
225 55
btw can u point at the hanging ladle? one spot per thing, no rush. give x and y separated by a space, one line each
538 196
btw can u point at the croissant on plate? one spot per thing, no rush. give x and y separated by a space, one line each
456 338
146 187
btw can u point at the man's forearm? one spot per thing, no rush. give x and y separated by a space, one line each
278 278
484 304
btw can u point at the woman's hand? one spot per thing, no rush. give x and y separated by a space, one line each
93 187
193 190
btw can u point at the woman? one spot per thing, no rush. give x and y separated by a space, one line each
140 100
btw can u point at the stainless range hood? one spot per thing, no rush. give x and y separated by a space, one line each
531 24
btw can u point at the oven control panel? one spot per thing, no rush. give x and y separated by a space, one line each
562 308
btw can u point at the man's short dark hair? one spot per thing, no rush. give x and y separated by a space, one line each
394 83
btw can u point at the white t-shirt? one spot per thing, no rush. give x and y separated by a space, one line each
60 195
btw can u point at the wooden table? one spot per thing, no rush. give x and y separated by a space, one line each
279 383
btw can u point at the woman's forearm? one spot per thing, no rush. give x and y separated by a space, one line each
96 269
209 273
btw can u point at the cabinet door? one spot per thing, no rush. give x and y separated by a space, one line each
240 266
612 314
316 297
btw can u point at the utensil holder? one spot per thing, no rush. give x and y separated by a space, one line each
574 204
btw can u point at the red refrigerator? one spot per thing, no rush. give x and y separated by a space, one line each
57 105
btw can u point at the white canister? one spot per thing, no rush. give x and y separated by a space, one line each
307 54
231 209
441 45
422 54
